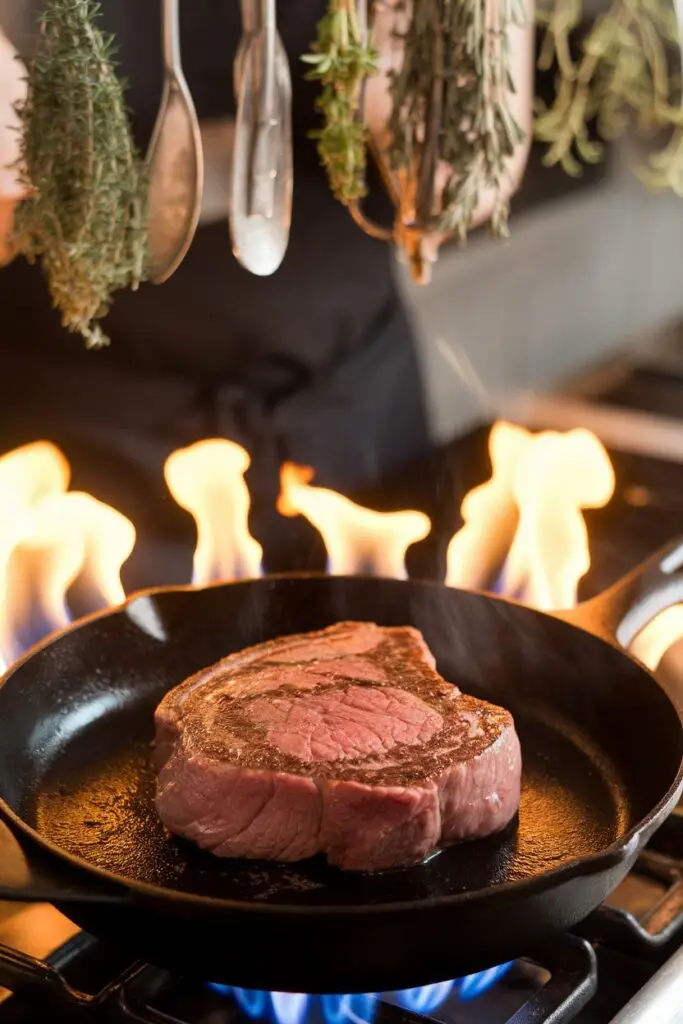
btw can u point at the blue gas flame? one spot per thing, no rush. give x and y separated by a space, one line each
474 985
293 1008
289 1007
425 999
349 1009
253 1002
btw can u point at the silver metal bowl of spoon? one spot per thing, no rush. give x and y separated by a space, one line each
175 162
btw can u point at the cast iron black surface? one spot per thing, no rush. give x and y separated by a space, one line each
602 748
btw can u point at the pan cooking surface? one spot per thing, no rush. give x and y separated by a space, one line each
601 744
96 802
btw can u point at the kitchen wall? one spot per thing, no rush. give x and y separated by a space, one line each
580 277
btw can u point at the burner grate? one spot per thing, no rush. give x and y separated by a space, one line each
140 994
651 932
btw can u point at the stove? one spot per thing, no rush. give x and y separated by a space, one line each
624 965
632 399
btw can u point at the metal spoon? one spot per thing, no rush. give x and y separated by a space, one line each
264 154
175 162
261 188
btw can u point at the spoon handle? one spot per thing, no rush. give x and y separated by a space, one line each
268 26
249 17
171 36
268 136
175 163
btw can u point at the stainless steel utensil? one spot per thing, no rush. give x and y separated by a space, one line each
175 162
262 173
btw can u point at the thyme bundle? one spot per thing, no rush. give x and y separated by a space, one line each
341 60
84 217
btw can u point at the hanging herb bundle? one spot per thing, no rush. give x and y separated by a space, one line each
626 72
84 217
449 113
450 110
448 139
341 61
450 131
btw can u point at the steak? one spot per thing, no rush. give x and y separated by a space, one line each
345 742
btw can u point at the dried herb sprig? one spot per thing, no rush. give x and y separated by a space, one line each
341 60
450 109
625 72
85 215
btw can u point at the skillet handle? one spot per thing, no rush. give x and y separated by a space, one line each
37 878
621 612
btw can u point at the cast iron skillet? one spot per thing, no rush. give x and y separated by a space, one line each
602 746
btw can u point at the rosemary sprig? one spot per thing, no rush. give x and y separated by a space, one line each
85 214
624 73
341 60
450 109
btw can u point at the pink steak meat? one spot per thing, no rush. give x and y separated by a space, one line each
345 742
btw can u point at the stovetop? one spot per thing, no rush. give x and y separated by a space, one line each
630 949
632 945
588 978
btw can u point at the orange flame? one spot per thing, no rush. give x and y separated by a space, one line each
489 512
359 541
531 509
52 540
62 550
38 573
557 477
27 475
107 538
207 479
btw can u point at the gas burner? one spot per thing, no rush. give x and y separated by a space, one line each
552 986
625 963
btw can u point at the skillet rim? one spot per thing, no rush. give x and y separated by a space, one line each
610 857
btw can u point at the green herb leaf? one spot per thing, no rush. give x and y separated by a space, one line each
341 62
85 216
626 71
450 108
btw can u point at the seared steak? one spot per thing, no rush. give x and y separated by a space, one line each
346 742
